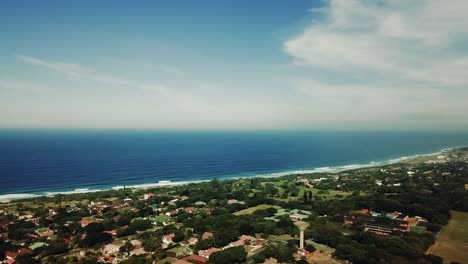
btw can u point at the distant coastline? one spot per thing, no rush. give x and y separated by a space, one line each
165 183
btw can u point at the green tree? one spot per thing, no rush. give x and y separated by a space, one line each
279 251
229 256
184 251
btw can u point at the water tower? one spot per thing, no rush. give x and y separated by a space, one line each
302 226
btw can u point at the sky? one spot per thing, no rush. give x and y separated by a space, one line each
235 65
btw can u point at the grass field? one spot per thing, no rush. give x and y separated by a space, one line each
255 208
325 194
452 242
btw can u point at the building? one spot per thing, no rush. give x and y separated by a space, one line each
385 225
189 209
195 259
234 201
207 235
147 196
200 203
11 256
191 241
167 239
243 240
110 249
207 253
85 222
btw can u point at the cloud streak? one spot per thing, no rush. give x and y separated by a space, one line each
407 40
389 61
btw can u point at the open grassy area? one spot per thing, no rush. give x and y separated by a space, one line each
255 208
324 194
452 242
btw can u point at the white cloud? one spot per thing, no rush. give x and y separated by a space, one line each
385 63
149 104
410 40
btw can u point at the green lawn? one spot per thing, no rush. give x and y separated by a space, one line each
255 208
324 194
452 242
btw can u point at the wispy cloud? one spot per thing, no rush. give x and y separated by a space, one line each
382 62
21 85
410 40
74 71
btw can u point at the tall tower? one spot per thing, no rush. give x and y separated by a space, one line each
302 226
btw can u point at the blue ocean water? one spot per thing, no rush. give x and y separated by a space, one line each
56 161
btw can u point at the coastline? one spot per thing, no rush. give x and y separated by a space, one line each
8 197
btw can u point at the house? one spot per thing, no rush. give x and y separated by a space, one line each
136 243
207 235
234 201
110 249
110 232
108 259
191 241
170 213
207 253
258 243
200 203
181 261
195 259
46 234
138 251
372 222
189 209
243 240
302 252
146 196
11 255
4 223
184 197
85 222
167 239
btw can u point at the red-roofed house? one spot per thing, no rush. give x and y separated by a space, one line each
189 209
258 243
9 261
108 259
167 239
207 235
364 211
191 241
181 261
12 255
196 259
242 241
170 213
207 253
146 196
4 223
46 234
303 252
110 232
85 222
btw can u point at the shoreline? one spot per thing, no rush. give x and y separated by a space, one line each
9 197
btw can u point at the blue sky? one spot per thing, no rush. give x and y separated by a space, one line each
331 64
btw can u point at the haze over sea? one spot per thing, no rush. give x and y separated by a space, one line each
48 161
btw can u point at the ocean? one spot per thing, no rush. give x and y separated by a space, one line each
45 162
